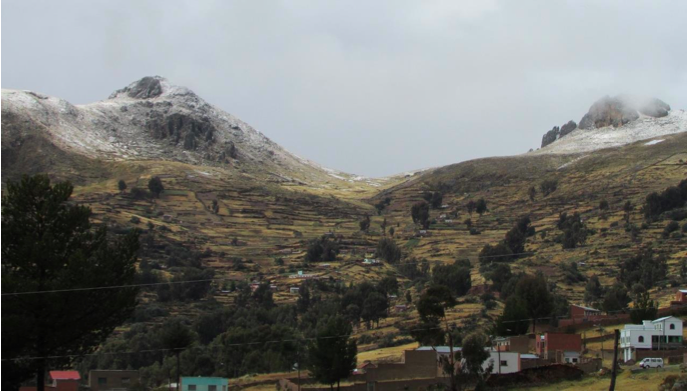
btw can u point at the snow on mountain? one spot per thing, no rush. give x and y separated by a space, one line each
644 127
152 119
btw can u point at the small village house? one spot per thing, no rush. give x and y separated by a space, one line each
204 384
109 379
59 381
559 346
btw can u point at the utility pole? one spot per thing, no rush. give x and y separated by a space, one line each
615 360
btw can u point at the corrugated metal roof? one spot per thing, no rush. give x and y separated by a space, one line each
529 356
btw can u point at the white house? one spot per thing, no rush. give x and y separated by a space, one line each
504 362
662 333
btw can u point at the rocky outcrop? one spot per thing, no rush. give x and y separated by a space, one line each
654 108
146 88
608 111
179 128
567 128
550 136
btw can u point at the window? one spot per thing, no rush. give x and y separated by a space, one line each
212 388
126 381
504 363
641 339
672 326
102 381
191 387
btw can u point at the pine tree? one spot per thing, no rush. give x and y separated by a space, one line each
332 355
48 244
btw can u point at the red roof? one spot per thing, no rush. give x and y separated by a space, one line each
65 375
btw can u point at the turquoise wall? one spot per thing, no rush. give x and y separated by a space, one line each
202 383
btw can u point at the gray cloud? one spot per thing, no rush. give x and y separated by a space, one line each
372 88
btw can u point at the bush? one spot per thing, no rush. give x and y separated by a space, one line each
474 231
673 226
139 194
548 186
135 220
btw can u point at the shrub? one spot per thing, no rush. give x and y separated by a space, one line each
135 220
138 193
474 231
548 186
673 226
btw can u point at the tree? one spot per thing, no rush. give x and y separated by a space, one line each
468 223
374 307
548 186
391 231
593 291
409 297
121 185
304 299
514 320
534 293
155 186
532 192
456 277
432 307
365 223
515 238
420 213
48 244
499 276
470 206
383 226
176 337
321 249
215 207
481 206
603 205
627 208
644 308
615 299
436 200
332 355
388 250
474 354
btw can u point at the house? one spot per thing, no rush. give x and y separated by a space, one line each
294 289
303 276
503 362
59 381
371 262
204 384
103 380
582 312
400 308
680 298
555 345
662 333
520 344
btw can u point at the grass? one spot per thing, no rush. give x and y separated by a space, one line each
626 381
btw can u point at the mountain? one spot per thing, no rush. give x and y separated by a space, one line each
151 120
245 203
615 121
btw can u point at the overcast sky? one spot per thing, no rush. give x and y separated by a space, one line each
366 87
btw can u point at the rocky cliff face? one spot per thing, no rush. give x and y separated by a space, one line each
610 112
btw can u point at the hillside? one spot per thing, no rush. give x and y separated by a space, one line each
243 208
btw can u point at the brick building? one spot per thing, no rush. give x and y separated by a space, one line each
110 379
549 344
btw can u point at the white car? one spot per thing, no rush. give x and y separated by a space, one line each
651 363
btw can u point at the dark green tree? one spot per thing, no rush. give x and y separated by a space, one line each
374 308
332 356
420 213
532 193
455 276
388 250
121 185
365 223
155 186
515 318
176 337
322 249
49 246
644 308
615 299
534 293
481 206
474 354
593 291
470 206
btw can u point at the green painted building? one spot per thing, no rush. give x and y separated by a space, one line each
204 384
